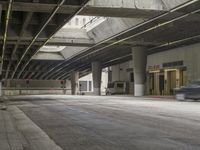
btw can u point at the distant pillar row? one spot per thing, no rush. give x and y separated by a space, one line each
74 83
139 55
96 75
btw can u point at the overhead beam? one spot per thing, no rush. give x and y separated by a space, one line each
39 68
56 42
145 27
23 29
90 10
24 26
37 35
77 68
39 74
105 58
57 29
33 66
8 14
87 68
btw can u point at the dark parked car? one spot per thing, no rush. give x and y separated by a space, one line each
191 91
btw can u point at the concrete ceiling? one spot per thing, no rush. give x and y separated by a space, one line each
108 8
24 25
176 28
26 30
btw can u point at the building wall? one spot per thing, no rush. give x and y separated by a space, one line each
120 72
31 87
104 81
88 79
190 55
18 87
35 83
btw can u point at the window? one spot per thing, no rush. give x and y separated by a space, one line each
132 77
83 86
120 85
111 85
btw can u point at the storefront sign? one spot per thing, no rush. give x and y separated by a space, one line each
154 67
173 64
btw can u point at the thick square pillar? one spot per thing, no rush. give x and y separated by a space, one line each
74 83
139 55
96 75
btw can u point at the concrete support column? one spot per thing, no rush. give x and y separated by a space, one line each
139 55
74 83
96 75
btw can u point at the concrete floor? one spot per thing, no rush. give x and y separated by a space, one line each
106 123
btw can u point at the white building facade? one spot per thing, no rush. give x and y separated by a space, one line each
165 71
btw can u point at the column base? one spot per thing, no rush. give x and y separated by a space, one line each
97 91
139 90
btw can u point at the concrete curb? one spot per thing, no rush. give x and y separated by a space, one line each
33 137
3 107
2 103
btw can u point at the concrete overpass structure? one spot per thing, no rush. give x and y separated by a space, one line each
116 40
147 48
127 8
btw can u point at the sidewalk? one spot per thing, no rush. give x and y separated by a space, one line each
161 96
9 138
18 132
171 97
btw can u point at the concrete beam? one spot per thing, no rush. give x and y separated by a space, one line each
24 26
111 27
137 4
69 51
23 29
108 8
169 4
57 42
48 56
79 42
64 37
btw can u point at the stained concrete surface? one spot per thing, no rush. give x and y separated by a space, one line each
114 123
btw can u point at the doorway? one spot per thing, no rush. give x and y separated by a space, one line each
171 82
161 84
156 83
